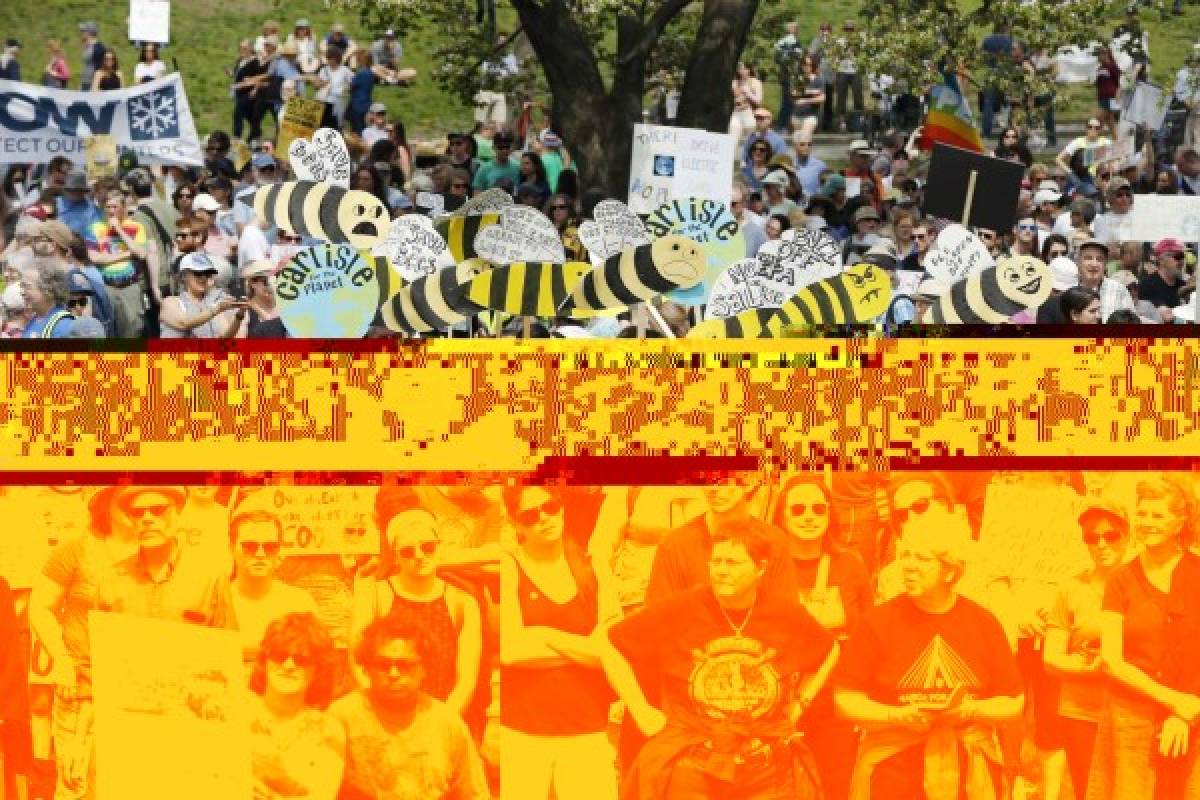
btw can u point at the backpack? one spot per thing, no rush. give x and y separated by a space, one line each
889 317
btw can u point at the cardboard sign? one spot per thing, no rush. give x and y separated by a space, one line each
169 710
1147 106
432 203
523 234
613 228
300 120
240 153
1161 216
324 158
413 247
320 520
150 21
973 189
100 151
708 223
994 294
740 288
676 163
327 292
957 254
490 201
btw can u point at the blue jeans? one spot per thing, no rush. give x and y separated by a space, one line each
989 104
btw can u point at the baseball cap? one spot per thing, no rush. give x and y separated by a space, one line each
550 139
1045 196
760 113
258 267
88 27
302 23
262 161
1094 243
1117 183
866 212
57 232
882 254
1064 272
289 49
833 184
76 181
1168 245
859 146
77 282
101 503
377 108
206 202
1106 508
197 262
776 178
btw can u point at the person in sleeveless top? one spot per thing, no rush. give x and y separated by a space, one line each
200 311
262 309
836 589
297 748
449 616
108 77
555 699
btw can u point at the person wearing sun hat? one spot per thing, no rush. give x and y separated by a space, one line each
262 307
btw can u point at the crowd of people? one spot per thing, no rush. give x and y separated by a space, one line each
177 252
761 636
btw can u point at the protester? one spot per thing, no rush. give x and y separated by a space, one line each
44 287
502 168
1080 306
149 67
108 74
57 73
93 54
118 247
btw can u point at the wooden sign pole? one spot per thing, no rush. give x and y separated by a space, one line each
966 215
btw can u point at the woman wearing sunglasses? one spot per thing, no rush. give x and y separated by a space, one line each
835 589
1071 651
555 704
449 616
200 311
297 749
1149 646
258 596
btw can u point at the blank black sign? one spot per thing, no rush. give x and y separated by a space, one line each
997 188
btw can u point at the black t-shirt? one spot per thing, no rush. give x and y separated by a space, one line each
900 654
1153 288
1050 313
248 69
712 678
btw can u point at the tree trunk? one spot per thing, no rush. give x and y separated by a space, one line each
706 100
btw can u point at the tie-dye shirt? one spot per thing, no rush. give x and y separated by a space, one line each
101 238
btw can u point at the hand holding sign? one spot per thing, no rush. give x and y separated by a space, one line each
613 228
328 292
957 254
412 246
523 234
324 158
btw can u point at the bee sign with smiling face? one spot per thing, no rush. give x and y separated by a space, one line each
328 292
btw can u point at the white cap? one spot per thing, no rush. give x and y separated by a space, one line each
206 202
1039 197
12 298
1065 273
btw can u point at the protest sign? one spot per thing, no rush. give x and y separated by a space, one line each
300 119
329 291
1147 106
169 710
741 288
150 21
320 520
957 254
486 202
613 228
780 269
708 223
853 187
994 294
153 120
323 158
676 163
1161 216
101 154
523 234
973 189
412 246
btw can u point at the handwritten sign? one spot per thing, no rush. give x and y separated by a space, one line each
320 520
740 288
957 254
1147 106
413 247
612 229
150 21
324 158
432 203
327 292
708 223
300 120
674 163
781 268
169 719
1159 216
523 234
101 153
489 202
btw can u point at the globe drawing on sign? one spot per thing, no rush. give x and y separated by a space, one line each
664 166
154 115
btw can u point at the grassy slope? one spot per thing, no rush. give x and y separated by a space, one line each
207 32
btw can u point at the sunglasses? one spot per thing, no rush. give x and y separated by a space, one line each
459 186
1027 228
529 516
301 660
77 302
919 507
156 510
401 665
921 236
410 552
266 548
1110 538
796 509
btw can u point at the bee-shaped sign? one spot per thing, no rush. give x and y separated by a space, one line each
434 302
637 275
528 289
324 211
995 294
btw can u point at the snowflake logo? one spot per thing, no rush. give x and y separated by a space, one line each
154 115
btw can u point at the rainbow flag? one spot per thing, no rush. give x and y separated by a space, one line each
949 121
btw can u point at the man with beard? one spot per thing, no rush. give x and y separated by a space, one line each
1093 259
403 744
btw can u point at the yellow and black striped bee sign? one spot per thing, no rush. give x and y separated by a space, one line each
434 302
324 211
993 295
460 233
637 275
527 289
859 295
